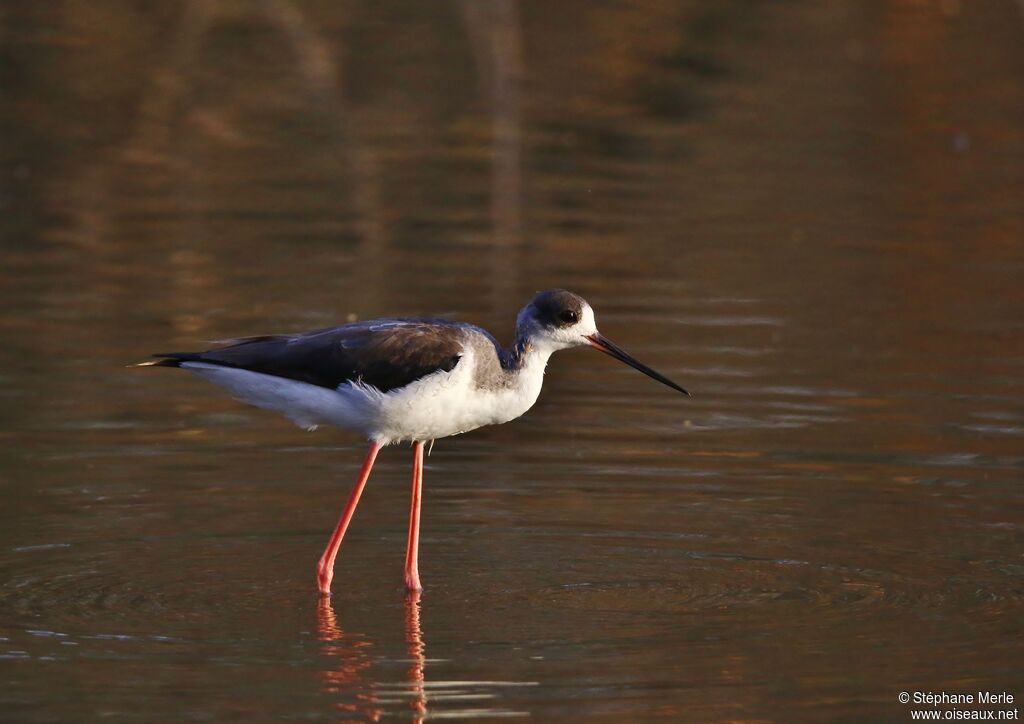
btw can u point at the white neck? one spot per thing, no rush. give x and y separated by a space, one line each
524 381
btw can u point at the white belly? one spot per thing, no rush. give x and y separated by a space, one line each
438 405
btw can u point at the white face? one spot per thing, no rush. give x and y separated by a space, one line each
558 336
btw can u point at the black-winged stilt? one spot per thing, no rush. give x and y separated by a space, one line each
400 380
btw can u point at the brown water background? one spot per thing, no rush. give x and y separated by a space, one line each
811 214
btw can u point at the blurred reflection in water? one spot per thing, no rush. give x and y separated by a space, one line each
347 659
417 655
360 685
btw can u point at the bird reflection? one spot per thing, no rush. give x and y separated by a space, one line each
347 676
350 659
417 655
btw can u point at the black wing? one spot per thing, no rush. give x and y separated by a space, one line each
385 353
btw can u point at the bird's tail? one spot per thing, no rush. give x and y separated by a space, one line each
173 359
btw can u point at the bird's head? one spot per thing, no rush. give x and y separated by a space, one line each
558 319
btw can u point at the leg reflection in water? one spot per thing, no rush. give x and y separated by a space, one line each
348 679
345 679
417 655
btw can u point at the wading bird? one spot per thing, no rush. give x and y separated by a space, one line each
399 380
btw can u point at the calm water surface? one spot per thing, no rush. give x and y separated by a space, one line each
810 214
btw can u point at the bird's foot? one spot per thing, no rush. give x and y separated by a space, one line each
412 582
324 575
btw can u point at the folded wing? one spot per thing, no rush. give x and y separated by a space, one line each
387 354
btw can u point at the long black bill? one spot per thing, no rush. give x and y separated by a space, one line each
599 341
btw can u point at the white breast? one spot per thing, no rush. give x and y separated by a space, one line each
449 403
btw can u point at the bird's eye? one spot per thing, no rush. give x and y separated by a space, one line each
569 316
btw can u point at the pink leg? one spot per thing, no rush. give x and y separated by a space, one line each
325 568
412 551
